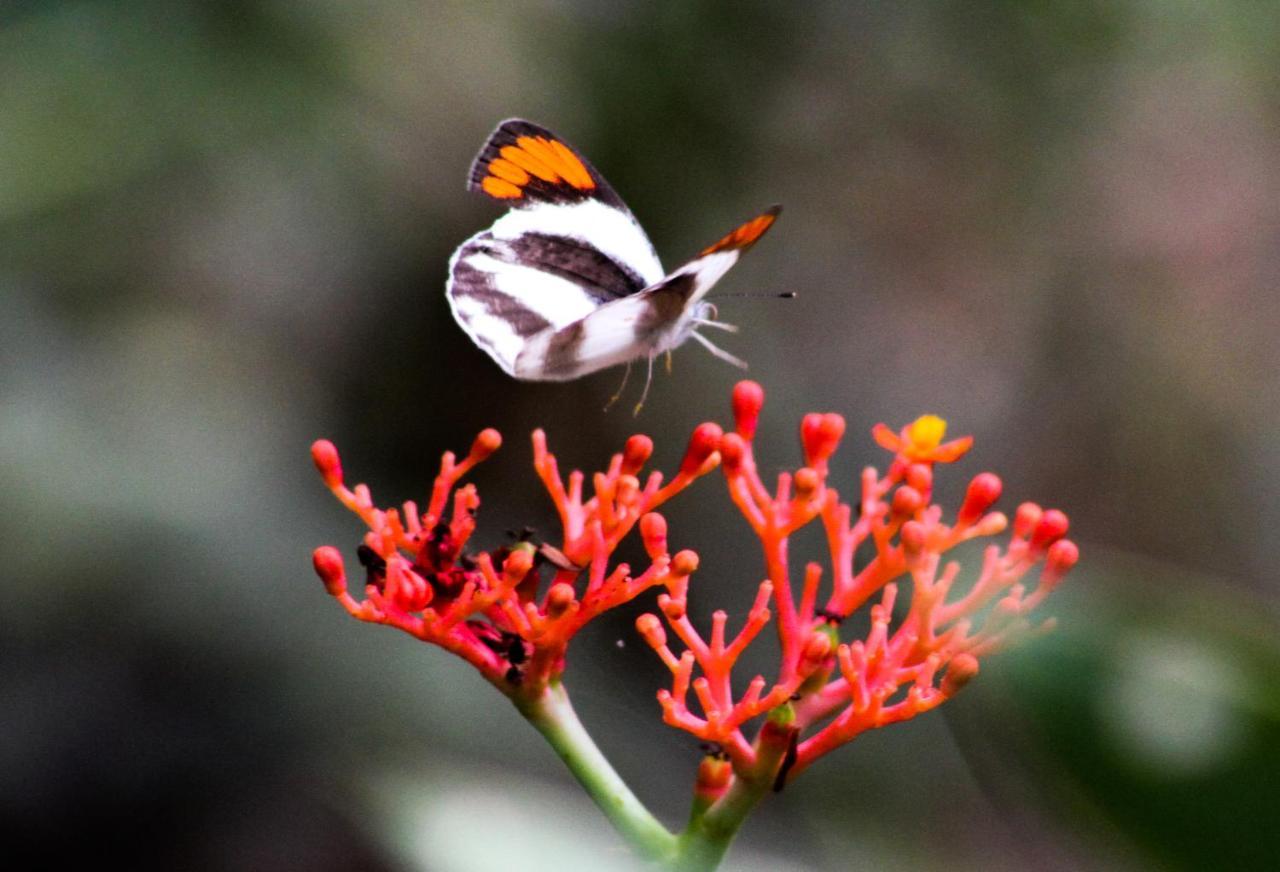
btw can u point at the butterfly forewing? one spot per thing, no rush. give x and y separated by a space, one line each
567 246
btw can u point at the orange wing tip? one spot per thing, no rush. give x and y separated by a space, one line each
746 235
548 159
500 188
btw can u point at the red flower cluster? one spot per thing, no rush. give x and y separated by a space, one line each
828 691
512 611
496 609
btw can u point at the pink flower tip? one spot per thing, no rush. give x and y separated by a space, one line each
328 565
488 441
1051 527
820 435
983 492
748 400
325 456
702 444
636 453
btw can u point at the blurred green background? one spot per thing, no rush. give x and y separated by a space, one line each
224 229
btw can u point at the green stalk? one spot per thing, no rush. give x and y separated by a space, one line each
702 845
553 716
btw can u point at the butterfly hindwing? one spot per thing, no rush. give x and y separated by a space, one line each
645 324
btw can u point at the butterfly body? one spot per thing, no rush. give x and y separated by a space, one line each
566 282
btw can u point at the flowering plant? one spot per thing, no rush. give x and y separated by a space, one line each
512 611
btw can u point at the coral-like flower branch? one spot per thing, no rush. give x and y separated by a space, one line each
495 609
903 667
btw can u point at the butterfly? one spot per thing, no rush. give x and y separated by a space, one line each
566 282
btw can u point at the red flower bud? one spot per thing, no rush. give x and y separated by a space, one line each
907 501
325 456
702 444
820 435
636 454
328 565
1062 556
732 451
983 492
1051 527
920 476
748 400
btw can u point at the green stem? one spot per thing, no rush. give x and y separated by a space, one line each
553 716
702 845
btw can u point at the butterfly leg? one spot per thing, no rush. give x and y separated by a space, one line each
668 361
645 394
719 352
716 325
622 387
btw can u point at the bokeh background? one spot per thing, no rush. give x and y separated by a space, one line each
224 229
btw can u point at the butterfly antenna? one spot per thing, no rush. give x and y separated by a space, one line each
645 394
622 387
719 352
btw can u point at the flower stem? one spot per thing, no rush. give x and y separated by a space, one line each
702 845
553 716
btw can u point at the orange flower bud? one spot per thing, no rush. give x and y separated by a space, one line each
684 563
559 599
806 482
650 628
488 441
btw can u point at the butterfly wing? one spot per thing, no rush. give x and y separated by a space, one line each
567 246
656 319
